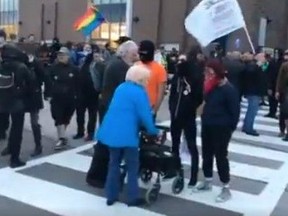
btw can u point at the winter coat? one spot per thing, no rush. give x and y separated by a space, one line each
39 75
186 92
128 112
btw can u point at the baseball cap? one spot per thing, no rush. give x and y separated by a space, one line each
64 50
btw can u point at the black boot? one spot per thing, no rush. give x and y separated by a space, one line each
78 136
285 138
37 139
17 163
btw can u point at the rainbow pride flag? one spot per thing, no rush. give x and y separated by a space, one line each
91 20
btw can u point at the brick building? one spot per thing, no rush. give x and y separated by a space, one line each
160 20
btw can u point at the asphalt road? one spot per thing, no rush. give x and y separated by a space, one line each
54 184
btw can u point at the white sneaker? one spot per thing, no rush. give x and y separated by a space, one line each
224 196
204 186
193 189
61 144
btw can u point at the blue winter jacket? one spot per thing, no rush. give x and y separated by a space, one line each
128 112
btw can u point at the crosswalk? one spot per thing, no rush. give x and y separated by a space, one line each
56 184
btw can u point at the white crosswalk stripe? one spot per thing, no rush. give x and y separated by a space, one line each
65 200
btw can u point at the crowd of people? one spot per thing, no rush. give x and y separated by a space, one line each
125 89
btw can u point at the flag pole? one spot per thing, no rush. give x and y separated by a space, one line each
249 39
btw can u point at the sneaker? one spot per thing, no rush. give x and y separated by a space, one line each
193 188
204 186
191 185
61 144
224 196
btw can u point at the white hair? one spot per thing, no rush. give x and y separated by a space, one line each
124 48
138 74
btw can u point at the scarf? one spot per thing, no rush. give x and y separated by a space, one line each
210 84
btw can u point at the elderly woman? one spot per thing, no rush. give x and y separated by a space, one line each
128 112
219 120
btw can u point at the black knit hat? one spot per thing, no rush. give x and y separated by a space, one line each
146 50
147 46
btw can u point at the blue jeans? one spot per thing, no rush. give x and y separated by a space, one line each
131 156
253 107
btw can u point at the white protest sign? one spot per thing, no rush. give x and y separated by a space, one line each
212 19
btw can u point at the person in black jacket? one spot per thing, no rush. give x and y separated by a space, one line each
91 76
254 83
235 70
4 125
273 71
4 117
185 98
115 72
219 120
15 87
35 103
63 93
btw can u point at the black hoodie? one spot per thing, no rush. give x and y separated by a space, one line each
13 64
186 92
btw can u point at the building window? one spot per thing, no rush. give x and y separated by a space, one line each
9 16
115 13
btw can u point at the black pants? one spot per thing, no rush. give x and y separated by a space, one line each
283 114
16 133
62 111
282 125
4 124
187 125
273 105
215 141
92 118
36 127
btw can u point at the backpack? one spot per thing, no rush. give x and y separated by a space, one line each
7 86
